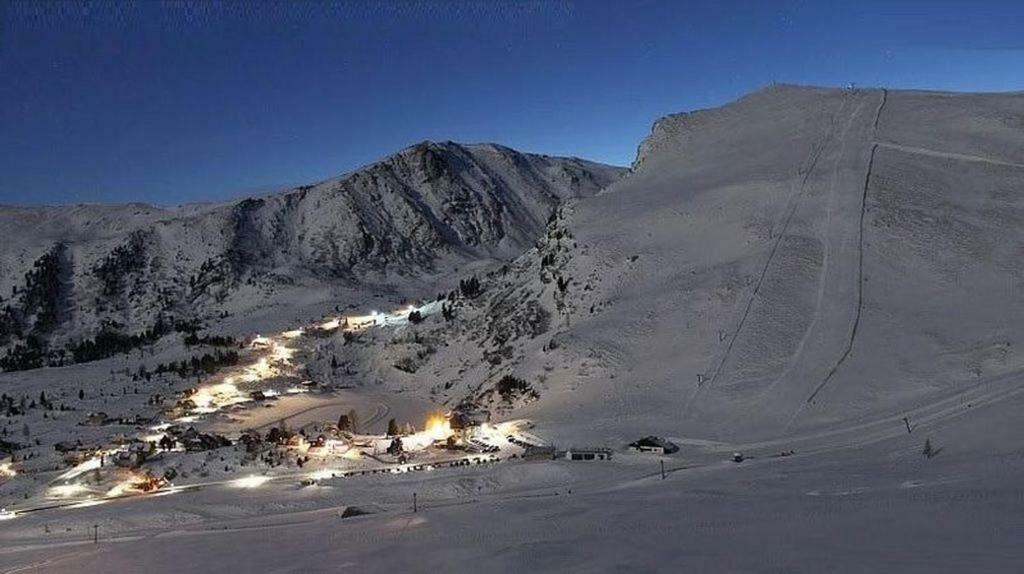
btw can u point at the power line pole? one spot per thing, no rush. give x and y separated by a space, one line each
415 508
95 533
663 469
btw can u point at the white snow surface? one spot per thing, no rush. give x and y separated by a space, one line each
833 275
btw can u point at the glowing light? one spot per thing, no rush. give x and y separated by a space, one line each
509 427
252 481
136 484
272 365
122 489
212 398
294 334
91 464
257 371
7 514
365 321
282 354
259 341
323 474
67 490
438 427
404 312
6 471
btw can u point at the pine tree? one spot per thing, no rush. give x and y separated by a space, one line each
354 420
344 423
396 448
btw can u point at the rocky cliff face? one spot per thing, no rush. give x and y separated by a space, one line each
68 270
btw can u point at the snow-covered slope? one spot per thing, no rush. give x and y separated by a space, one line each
805 256
825 281
428 208
801 257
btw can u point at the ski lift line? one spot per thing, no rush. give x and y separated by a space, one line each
794 357
815 157
860 257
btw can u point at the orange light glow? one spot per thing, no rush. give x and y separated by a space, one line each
438 427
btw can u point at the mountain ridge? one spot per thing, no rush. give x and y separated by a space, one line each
429 207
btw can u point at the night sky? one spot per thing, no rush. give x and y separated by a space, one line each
179 102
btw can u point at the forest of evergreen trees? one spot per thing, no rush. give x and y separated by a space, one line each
33 352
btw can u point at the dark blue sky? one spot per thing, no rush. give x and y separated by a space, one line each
183 101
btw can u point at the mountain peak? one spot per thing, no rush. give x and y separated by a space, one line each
429 207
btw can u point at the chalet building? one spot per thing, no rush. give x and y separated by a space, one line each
463 419
654 445
588 453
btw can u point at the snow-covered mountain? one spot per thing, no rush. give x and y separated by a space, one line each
815 294
794 259
805 256
430 207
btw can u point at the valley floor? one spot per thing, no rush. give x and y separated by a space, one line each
855 502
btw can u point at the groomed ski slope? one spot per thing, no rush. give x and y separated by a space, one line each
798 259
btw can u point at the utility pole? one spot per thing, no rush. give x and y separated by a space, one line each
662 469
95 533
415 508
906 421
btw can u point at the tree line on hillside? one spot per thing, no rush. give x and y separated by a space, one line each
34 352
124 260
206 364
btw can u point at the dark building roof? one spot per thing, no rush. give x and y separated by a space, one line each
655 442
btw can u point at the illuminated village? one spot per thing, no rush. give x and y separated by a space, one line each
313 453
